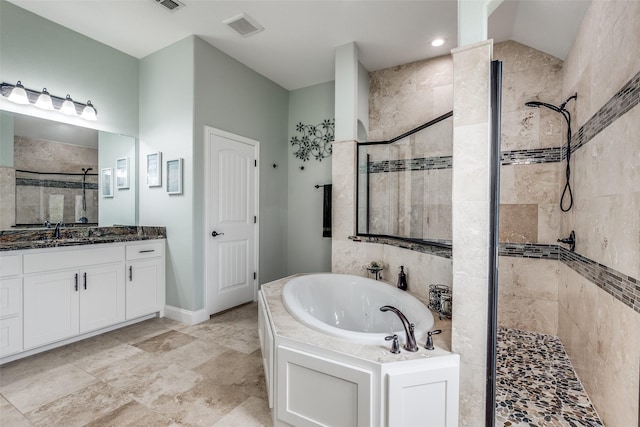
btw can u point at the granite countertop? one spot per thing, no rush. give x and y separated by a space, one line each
286 326
38 238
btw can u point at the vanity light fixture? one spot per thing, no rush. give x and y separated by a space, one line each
68 107
437 42
18 94
44 100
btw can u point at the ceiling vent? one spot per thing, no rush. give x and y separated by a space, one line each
244 25
170 5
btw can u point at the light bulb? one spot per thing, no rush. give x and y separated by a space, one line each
68 107
89 112
19 94
44 100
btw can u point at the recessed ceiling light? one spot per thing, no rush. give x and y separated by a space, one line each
437 42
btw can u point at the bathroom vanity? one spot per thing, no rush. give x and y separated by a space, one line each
53 292
315 379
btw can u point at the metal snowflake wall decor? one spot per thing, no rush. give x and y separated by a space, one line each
315 140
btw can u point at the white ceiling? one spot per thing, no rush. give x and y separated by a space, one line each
296 49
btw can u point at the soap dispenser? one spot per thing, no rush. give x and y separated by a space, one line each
402 279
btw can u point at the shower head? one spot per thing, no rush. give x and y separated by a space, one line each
539 104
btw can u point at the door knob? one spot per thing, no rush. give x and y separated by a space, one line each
216 234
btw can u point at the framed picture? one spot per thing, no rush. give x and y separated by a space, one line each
106 180
122 173
154 169
174 176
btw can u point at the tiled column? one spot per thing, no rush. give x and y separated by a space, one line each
471 148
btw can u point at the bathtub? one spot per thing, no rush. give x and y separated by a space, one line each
348 307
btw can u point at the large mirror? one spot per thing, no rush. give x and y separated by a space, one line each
55 172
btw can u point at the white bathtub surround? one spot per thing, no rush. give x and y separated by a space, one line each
471 149
300 353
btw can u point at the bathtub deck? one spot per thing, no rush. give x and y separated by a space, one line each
536 383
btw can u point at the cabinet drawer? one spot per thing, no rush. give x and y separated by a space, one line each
10 265
10 297
146 249
77 258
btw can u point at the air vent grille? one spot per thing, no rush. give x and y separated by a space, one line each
244 25
170 5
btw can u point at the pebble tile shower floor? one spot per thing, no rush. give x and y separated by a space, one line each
155 373
536 384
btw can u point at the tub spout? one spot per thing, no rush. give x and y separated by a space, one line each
410 344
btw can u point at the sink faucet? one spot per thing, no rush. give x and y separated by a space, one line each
56 232
410 344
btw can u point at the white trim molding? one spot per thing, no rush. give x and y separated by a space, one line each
185 316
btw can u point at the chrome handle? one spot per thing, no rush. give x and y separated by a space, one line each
216 234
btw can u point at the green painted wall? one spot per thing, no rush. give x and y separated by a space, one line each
41 54
307 250
232 97
166 126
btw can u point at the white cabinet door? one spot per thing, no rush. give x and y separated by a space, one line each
10 316
51 307
427 396
102 297
315 391
143 278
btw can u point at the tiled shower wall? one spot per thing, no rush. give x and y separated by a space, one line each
529 186
599 314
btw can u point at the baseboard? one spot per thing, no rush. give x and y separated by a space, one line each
185 316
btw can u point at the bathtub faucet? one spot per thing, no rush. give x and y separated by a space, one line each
410 344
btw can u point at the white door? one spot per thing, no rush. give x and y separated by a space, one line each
232 206
101 297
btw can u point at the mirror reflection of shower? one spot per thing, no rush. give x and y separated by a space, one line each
83 219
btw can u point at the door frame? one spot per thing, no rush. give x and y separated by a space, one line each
209 130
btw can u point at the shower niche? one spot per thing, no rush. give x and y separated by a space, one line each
404 185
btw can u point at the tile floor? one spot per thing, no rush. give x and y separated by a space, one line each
536 385
155 373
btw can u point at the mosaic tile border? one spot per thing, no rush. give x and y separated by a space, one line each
402 165
619 104
537 155
621 286
536 384
52 183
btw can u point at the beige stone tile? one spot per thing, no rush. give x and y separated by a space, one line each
165 342
528 278
10 416
519 57
348 257
471 85
132 414
519 223
549 218
99 361
94 346
472 395
194 354
139 331
30 366
252 412
470 163
470 236
468 336
246 341
542 83
520 129
530 184
80 407
35 390
528 314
